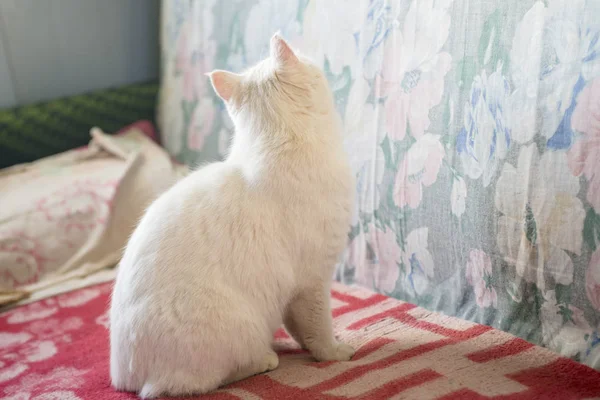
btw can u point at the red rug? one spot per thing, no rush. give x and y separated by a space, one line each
57 349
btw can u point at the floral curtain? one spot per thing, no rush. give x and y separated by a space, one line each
473 128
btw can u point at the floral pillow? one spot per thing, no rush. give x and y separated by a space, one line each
71 214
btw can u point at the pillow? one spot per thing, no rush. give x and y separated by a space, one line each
71 214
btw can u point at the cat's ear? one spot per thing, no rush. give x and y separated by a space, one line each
224 83
281 51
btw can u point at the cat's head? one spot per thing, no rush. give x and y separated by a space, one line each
286 88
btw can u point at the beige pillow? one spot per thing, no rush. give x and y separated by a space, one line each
70 215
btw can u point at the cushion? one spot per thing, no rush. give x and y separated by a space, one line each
58 349
31 132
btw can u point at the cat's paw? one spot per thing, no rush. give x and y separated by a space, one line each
339 352
344 352
270 362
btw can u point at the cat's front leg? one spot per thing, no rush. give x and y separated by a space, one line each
292 328
308 320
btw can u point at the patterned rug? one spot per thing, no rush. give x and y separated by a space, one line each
57 349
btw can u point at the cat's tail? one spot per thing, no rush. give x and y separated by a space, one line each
123 377
150 391
178 384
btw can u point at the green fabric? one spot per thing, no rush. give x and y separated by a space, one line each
31 132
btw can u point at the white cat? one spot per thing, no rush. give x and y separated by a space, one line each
239 247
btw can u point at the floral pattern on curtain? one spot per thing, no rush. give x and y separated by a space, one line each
473 128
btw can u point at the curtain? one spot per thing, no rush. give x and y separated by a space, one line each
473 128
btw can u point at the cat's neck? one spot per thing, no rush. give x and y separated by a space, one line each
273 156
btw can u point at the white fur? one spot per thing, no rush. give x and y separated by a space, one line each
239 247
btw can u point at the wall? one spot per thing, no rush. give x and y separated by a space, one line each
56 48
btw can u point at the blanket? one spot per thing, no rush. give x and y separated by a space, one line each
58 348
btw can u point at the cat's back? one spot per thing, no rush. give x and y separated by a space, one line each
191 200
182 223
